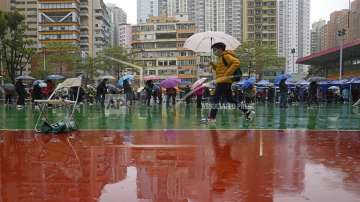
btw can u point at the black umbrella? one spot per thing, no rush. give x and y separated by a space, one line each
25 77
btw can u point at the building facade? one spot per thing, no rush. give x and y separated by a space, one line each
125 36
316 31
338 21
29 9
147 9
260 21
5 5
160 43
59 21
118 17
294 33
94 26
217 15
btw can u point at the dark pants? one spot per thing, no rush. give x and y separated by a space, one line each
172 97
198 101
8 99
283 99
21 100
148 97
223 92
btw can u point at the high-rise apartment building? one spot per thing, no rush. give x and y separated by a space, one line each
217 15
29 9
5 5
354 28
94 26
59 21
316 32
118 17
294 33
125 35
160 43
146 9
338 21
260 21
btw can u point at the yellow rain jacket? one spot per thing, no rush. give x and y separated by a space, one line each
224 73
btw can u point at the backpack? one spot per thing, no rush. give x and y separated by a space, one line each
237 74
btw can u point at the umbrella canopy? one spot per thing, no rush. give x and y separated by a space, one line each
334 88
281 77
302 82
54 77
140 89
338 82
128 77
198 83
264 83
170 83
9 87
24 77
112 88
248 83
109 77
151 77
317 78
202 42
41 83
354 81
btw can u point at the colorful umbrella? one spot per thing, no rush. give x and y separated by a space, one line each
151 77
109 77
128 77
198 84
248 83
170 83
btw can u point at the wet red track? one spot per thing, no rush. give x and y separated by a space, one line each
179 166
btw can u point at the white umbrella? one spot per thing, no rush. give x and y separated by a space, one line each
198 83
109 77
334 88
202 42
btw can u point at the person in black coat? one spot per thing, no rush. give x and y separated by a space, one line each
20 89
283 93
149 86
128 91
101 91
37 93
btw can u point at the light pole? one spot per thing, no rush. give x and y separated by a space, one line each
293 51
44 65
341 33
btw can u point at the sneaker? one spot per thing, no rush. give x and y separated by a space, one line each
250 115
207 121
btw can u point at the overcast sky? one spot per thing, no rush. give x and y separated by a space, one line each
320 9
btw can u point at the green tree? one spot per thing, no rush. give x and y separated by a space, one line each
60 55
260 57
15 51
111 66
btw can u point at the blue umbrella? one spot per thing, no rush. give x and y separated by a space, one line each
37 82
281 77
248 83
54 77
264 83
128 77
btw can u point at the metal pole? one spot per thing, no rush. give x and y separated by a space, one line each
44 59
341 59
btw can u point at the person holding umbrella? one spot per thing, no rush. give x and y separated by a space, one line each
149 85
224 69
170 95
20 89
101 90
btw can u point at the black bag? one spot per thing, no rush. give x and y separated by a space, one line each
237 74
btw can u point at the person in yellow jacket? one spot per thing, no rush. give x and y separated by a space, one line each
225 68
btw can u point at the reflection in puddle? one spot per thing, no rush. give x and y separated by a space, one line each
179 166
